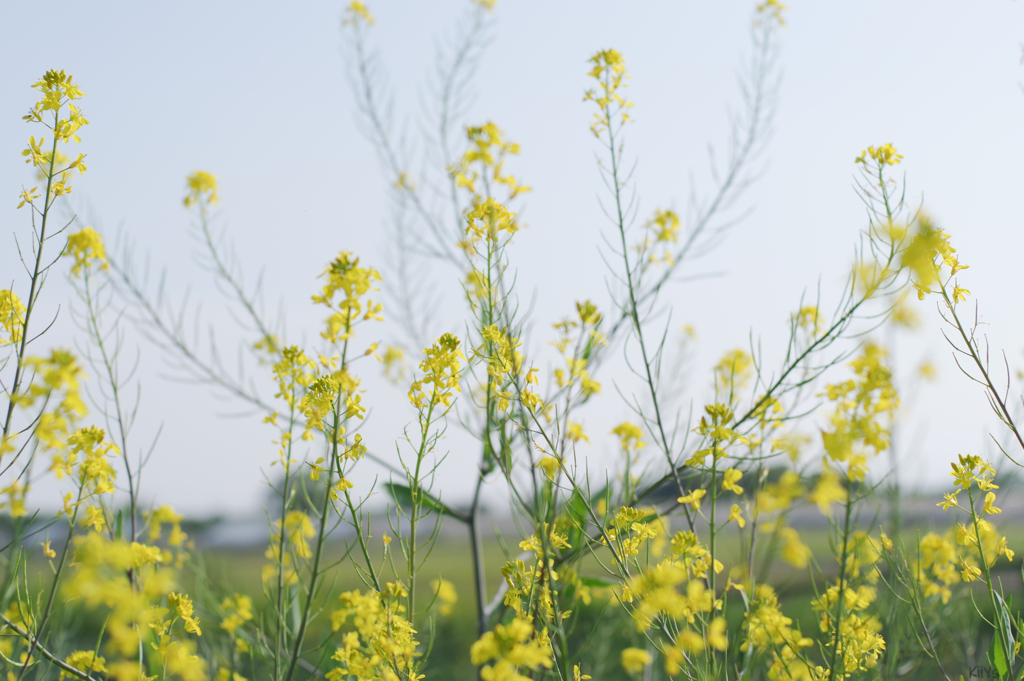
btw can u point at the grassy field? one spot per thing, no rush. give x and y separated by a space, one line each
239 570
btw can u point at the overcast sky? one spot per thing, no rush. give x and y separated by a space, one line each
258 94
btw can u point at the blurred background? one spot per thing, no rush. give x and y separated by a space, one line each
260 94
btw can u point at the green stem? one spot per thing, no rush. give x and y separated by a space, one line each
837 622
1007 649
414 515
30 304
314 577
56 582
285 499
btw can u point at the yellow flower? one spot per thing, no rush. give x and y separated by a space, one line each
1003 549
12 317
94 518
394 363
609 70
629 434
772 9
201 186
964 536
357 12
184 609
809 319
444 591
693 498
487 219
794 551
238 611
550 465
576 433
926 253
28 196
828 491
50 553
990 499
85 660
949 500
734 371
883 155
85 246
511 645
488 151
886 542
716 633
635 659
729 480
665 225
969 572
576 675
440 368
737 514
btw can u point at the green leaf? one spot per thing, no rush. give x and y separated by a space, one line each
1002 659
117 525
997 655
402 495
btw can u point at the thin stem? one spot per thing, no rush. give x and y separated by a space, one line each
56 581
841 596
30 304
61 664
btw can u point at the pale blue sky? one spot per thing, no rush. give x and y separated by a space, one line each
257 93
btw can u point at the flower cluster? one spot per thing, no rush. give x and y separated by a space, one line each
771 11
321 395
380 643
504 361
58 90
631 527
733 372
294 372
237 612
509 647
131 580
630 435
356 14
165 515
12 317
201 189
485 223
292 537
487 151
972 471
864 408
53 375
345 275
664 227
884 155
94 473
86 247
440 370
767 629
858 642
609 70
445 595
716 433
925 255
578 338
